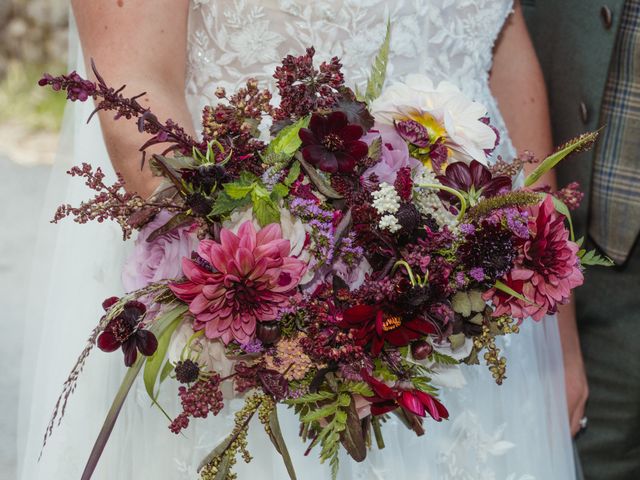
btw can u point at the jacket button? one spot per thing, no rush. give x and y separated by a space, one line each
584 112
607 17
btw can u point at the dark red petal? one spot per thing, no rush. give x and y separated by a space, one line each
336 121
383 407
420 326
401 336
130 351
358 149
318 124
136 306
496 185
436 409
109 302
479 173
360 313
320 157
381 390
351 133
107 342
409 401
308 137
147 342
459 175
346 163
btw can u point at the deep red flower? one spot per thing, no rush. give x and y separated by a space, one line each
126 331
386 399
474 181
332 144
370 323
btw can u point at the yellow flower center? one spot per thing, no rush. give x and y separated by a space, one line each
391 323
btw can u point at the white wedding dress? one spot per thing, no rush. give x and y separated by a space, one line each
517 431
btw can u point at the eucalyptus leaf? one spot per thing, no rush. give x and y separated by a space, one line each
318 180
279 443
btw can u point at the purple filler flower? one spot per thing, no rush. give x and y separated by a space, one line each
477 274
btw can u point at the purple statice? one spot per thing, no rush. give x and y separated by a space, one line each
271 176
461 280
467 228
322 226
518 222
348 252
477 274
253 346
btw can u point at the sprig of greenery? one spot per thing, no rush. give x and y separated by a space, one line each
378 69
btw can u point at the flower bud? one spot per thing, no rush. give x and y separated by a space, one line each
268 332
421 349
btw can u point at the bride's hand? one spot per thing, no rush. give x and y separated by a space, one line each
576 384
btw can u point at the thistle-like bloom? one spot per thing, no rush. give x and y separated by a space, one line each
370 323
473 181
386 399
332 144
125 331
548 271
244 279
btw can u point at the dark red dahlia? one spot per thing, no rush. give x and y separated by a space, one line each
126 331
386 399
473 181
332 144
372 324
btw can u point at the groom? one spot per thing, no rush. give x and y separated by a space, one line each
590 53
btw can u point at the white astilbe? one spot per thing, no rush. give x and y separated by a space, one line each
386 201
428 202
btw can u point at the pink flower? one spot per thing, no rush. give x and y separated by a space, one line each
395 153
244 279
160 259
547 271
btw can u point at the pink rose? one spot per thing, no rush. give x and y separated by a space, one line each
160 259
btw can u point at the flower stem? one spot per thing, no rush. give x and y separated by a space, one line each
452 191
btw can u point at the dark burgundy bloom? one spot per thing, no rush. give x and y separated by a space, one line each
332 144
370 323
473 181
386 399
413 132
126 331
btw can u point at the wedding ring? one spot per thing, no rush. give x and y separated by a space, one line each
584 421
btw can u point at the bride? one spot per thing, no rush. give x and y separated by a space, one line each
179 52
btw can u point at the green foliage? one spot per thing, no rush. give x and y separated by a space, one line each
287 142
375 149
562 209
443 359
294 173
581 143
249 189
510 291
593 258
378 69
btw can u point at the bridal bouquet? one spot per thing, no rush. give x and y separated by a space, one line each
342 253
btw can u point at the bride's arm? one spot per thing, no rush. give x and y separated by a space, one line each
518 85
142 43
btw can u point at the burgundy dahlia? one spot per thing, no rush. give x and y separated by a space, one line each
473 181
126 331
370 323
332 144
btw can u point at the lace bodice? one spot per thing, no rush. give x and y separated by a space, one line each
233 40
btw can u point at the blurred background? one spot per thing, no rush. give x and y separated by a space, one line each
33 39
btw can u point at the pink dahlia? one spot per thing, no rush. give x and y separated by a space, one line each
244 279
546 272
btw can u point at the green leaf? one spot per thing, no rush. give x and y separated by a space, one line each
288 141
294 173
593 258
166 371
237 191
275 433
112 416
375 149
360 388
217 451
165 326
311 398
564 210
279 192
577 144
580 241
265 210
224 204
320 413
509 291
379 68
443 359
